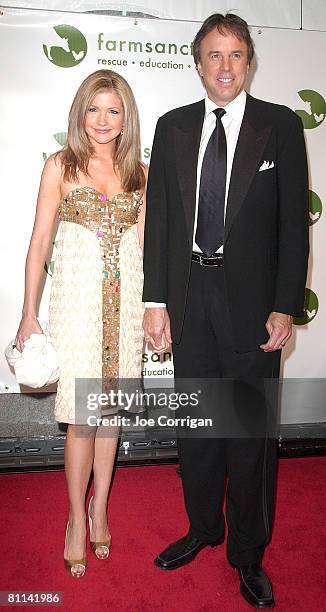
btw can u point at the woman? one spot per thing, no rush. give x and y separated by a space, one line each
96 184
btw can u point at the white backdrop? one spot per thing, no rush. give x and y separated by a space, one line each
155 57
279 13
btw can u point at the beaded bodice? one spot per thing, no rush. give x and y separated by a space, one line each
108 217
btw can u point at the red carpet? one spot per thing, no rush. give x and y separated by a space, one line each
146 513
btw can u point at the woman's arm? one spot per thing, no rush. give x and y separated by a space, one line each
141 217
46 211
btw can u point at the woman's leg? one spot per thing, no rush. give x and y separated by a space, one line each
79 455
105 447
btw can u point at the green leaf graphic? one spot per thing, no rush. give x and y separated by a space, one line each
61 138
49 267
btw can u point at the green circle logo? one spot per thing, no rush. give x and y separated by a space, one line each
317 108
72 51
315 207
311 306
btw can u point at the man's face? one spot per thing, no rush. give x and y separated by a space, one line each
223 66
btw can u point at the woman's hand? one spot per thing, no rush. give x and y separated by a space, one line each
28 325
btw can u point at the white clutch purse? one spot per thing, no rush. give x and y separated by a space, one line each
37 365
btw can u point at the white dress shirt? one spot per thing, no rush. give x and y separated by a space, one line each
232 120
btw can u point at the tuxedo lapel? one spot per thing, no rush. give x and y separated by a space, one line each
186 141
251 143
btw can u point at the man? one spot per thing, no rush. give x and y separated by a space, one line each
226 248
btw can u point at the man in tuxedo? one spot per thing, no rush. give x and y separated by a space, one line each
225 262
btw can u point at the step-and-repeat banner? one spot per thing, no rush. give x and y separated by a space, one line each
43 59
279 14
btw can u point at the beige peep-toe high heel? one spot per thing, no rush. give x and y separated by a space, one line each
75 567
100 549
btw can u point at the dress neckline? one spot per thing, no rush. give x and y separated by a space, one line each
94 190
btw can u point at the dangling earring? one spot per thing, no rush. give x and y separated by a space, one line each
121 133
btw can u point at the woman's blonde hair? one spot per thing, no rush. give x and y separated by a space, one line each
78 149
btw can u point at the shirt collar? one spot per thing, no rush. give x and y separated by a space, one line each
234 109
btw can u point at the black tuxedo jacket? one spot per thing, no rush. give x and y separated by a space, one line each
266 225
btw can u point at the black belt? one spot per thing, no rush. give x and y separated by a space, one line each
213 260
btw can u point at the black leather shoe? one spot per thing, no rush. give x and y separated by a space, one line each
255 586
181 552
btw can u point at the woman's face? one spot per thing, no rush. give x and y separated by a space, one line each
104 118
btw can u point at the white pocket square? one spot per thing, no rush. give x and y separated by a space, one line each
266 165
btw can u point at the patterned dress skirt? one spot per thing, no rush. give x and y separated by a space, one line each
96 309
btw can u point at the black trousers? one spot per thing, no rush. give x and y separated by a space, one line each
207 351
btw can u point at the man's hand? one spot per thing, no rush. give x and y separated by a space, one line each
279 327
157 328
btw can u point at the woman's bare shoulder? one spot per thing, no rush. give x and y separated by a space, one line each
145 169
53 168
55 162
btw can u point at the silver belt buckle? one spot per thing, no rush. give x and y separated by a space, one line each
207 262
